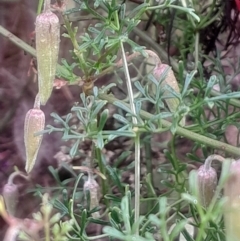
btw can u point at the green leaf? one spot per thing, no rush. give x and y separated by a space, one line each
76 185
99 105
84 222
74 148
212 81
177 229
112 232
103 119
60 206
125 214
112 198
188 80
116 215
187 236
100 142
121 119
114 176
98 221
55 174
123 107
121 158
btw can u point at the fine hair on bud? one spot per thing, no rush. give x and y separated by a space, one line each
47 48
34 122
10 196
207 183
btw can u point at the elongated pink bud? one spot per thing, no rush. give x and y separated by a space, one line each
207 183
47 46
170 80
10 195
232 205
34 122
207 180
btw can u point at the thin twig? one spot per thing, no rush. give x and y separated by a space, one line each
182 131
17 41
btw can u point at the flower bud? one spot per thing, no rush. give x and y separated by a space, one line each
232 205
10 195
47 47
207 183
12 233
170 80
34 122
92 186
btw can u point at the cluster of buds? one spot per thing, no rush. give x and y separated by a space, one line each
172 103
47 47
207 183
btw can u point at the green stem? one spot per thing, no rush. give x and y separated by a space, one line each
164 56
98 237
137 138
40 4
160 51
187 10
22 45
196 50
182 131
17 41
148 156
78 53
102 170
14 174
47 5
208 161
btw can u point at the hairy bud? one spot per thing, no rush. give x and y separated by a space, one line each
47 47
34 122
170 80
232 205
10 195
207 183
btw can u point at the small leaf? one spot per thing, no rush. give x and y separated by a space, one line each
74 148
97 108
124 107
112 232
83 221
121 119
103 119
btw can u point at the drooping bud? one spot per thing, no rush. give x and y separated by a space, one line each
207 180
92 186
170 80
34 122
207 183
47 47
232 205
10 195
